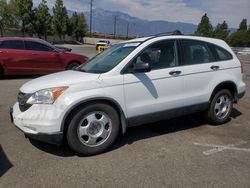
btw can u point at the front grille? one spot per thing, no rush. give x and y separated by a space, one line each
22 100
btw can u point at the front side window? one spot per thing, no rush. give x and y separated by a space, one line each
109 58
195 52
12 44
36 46
159 55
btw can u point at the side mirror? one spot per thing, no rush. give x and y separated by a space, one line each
140 67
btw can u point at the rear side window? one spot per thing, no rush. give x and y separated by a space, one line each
36 46
222 54
12 44
195 52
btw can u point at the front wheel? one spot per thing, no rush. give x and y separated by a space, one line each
93 129
220 107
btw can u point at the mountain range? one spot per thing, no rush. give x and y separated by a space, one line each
103 22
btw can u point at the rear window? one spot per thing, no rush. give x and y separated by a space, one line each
12 44
222 54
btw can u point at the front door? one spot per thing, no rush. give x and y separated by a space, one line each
159 90
43 59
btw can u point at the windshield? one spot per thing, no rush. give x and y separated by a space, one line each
109 58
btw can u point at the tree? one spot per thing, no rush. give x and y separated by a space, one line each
24 13
7 19
221 31
78 26
60 19
82 26
204 28
3 15
243 25
241 38
43 20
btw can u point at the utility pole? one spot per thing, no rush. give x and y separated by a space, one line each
115 25
127 29
90 17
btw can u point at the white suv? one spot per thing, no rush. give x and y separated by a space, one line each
134 82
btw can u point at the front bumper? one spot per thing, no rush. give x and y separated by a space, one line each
42 130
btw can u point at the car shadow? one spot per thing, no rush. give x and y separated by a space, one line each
137 133
5 164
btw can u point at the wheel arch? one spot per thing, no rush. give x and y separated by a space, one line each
72 61
230 85
1 69
68 116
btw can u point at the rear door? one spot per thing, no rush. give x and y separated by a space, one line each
199 67
42 58
14 57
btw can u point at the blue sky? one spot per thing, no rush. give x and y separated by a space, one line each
190 11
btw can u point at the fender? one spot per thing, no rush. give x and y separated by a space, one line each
226 85
113 103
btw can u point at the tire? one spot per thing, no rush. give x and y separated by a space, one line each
220 107
72 65
1 72
93 129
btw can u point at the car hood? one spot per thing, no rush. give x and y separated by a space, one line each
65 78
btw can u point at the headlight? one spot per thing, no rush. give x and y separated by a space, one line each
46 96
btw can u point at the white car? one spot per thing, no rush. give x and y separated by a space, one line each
105 43
132 83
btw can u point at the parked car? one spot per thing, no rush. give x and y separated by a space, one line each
132 83
105 43
34 56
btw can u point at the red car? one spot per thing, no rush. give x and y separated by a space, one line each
23 56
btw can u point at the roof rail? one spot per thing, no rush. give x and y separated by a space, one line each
176 32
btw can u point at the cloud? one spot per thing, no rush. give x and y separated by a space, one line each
189 11
230 10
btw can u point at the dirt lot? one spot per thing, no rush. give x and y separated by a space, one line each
182 152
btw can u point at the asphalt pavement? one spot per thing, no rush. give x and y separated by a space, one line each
182 152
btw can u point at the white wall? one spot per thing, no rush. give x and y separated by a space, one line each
88 40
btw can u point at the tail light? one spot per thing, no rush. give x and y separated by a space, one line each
241 66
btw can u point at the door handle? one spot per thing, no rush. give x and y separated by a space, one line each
173 73
214 67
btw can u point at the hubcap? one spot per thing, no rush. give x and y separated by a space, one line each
222 106
94 129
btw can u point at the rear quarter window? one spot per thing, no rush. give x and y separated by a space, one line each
222 54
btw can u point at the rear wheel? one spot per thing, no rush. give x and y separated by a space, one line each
72 65
1 72
93 129
220 107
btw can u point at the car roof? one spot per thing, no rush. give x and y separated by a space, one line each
143 39
191 37
20 38
26 39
